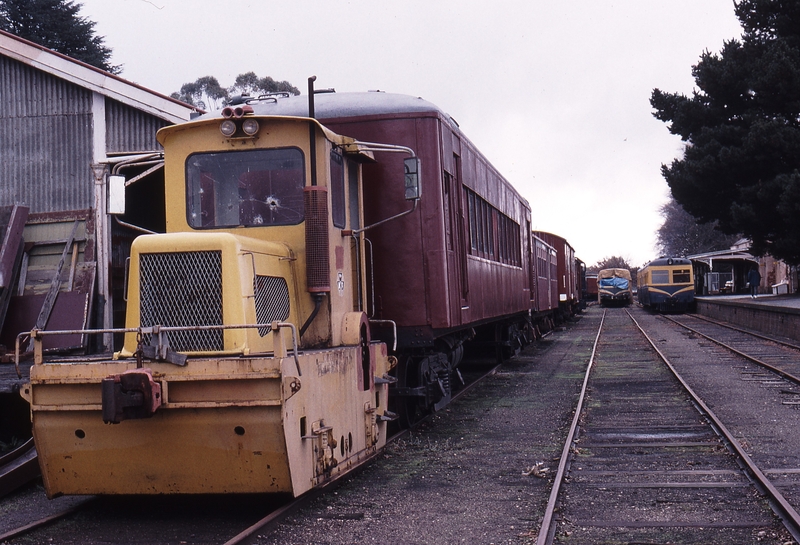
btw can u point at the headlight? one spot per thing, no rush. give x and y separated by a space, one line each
227 127
250 126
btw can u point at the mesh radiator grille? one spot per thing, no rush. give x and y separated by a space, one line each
272 301
183 289
317 261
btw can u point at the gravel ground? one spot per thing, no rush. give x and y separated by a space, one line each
466 475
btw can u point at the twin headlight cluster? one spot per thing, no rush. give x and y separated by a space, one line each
233 121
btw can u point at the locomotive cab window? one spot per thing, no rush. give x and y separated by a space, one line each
681 276
337 190
252 188
660 277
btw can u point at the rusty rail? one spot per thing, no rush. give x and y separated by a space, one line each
18 467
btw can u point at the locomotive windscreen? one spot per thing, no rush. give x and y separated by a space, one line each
252 188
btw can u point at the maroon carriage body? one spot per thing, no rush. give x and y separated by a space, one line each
462 259
545 263
568 291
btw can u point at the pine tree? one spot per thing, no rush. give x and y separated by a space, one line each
56 24
741 162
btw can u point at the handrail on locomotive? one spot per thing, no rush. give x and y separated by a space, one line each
160 349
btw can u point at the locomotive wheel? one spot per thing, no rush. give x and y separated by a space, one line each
425 375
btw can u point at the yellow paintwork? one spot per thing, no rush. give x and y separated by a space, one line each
645 275
181 141
244 419
239 255
227 425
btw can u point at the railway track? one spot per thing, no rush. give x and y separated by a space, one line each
647 461
18 467
779 356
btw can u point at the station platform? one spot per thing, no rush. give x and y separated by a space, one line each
771 314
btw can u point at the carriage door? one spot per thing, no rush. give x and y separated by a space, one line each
454 236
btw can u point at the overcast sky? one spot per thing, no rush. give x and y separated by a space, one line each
555 93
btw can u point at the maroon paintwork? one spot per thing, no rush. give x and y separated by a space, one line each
567 274
427 278
428 275
591 286
545 263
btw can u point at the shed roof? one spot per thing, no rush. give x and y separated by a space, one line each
94 79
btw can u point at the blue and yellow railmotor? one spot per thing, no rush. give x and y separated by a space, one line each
248 365
666 284
614 287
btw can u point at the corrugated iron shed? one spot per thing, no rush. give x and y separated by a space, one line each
63 124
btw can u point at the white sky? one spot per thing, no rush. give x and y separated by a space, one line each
555 93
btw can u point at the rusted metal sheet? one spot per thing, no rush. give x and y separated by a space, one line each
70 312
18 467
12 224
56 260
55 283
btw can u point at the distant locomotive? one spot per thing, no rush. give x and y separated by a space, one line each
614 287
666 284
305 279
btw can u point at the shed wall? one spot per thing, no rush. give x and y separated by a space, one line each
131 130
45 140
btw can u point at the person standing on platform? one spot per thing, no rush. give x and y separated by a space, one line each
754 280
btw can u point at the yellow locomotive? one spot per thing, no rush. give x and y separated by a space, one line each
248 365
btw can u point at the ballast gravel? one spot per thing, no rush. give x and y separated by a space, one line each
478 472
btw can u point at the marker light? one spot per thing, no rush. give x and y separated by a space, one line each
227 128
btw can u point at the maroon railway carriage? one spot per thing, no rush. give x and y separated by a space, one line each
568 281
545 260
456 267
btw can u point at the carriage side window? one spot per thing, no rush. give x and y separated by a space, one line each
337 190
541 261
251 188
473 221
681 276
492 234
